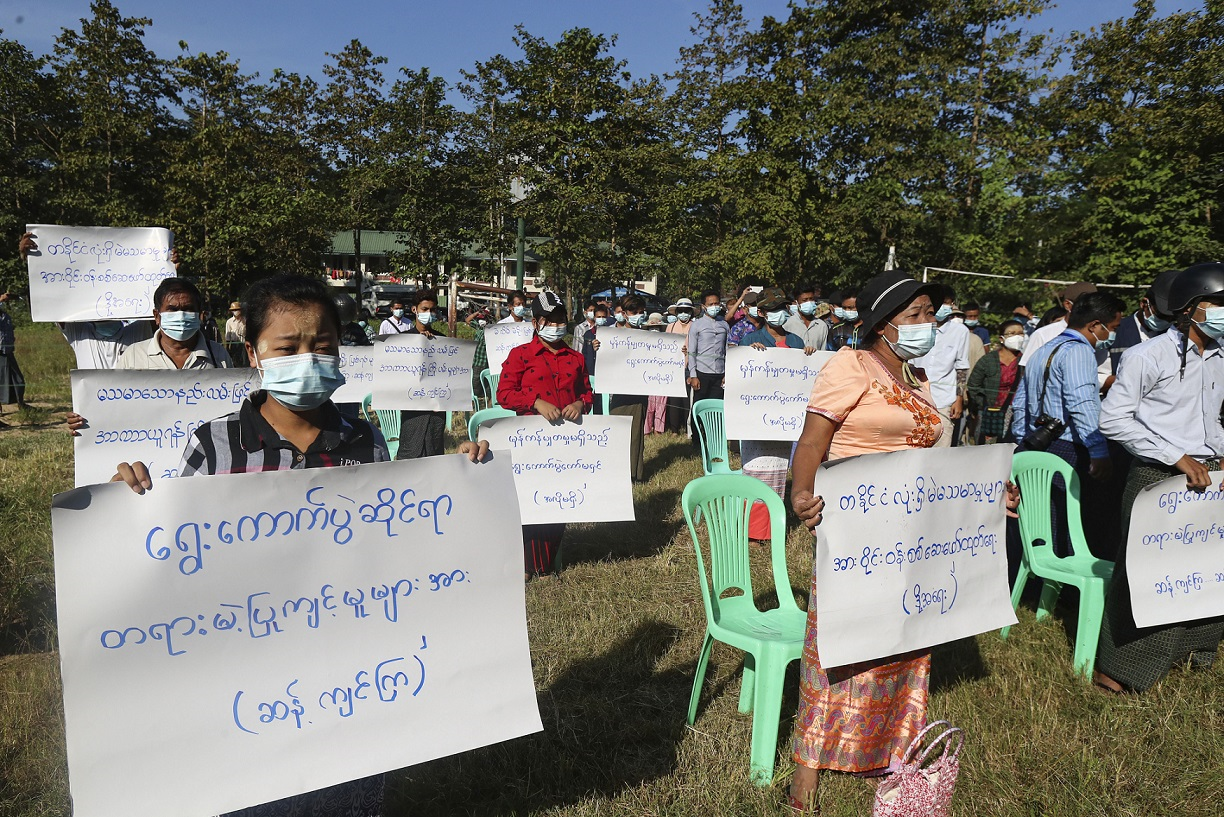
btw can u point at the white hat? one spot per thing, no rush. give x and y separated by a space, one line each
655 319
683 303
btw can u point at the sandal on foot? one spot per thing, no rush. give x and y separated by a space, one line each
801 809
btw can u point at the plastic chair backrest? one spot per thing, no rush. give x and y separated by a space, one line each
712 433
724 502
484 416
488 384
365 409
389 422
1033 472
605 399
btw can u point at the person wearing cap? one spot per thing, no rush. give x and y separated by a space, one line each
864 401
1051 330
1167 409
678 407
707 353
633 405
750 322
547 378
1061 383
807 317
655 322
1150 320
947 367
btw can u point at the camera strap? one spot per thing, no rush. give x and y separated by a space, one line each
1045 378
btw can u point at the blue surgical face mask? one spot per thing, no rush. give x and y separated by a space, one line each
425 318
1156 324
808 308
551 334
638 319
850 315
714 311
180 326
839 313
913 340
301 382
752 312
777 317
520 311
590 316
685 317
1213 324
1103 345
971 323
108 329
793 309
601 321
399 313
672 319
620 317
943 313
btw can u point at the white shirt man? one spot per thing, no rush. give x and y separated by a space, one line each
395 324
151 355
947 367
99 345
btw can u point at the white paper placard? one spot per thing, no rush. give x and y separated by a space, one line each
635 361
500 338
96 273
357 366
422 373
231 640
148 415
1175 553
911 552
767 392
568 472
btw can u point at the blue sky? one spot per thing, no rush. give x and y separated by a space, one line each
445 35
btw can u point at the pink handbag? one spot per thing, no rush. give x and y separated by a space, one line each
919 788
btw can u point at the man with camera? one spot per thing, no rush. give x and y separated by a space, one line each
1058 405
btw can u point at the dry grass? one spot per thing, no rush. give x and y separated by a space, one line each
614 641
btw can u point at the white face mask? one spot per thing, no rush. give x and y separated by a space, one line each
1015 342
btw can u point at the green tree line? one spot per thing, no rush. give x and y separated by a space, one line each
801 147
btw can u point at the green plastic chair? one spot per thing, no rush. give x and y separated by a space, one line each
488 384
605 399
389 422
771 639
485 416
366 413
712 434
1034 472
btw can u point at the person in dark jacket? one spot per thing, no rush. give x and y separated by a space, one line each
992 385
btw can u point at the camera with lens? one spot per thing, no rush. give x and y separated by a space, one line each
1047 430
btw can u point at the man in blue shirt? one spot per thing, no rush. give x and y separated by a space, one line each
1065 369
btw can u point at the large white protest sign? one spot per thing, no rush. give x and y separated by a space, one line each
911 552
568 472
1175 553
767 392
422 373
635 361
148 415
357 366
96 273
500 338
231 640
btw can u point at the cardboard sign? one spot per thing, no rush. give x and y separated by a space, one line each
911 551
767 392
422 373
231 640
1175 553
500 338
567 472
147 416
634 361
96 273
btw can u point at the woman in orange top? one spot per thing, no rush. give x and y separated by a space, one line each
861 718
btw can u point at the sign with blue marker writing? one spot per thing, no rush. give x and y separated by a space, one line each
148 415
501 338
1175 553
567 472
911 551
231 640
422 373
357 366
636 361
96 273
767 392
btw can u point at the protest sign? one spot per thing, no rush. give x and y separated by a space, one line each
423 373
96 273
357 366
148 415
568 472
1175 553
767 392
231 640
911 552
500 338
634 361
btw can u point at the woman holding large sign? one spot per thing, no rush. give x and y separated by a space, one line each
861 718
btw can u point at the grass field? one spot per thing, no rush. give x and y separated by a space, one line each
614 641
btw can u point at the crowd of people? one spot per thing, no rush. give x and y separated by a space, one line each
1127 398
